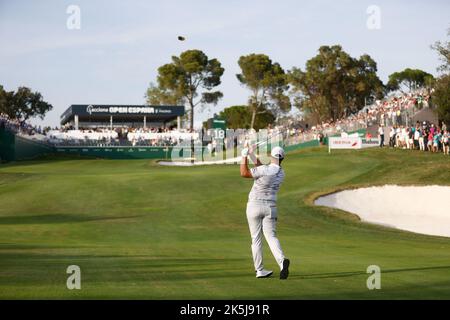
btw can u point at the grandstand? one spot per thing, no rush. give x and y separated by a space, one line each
121 131
93 116
120 125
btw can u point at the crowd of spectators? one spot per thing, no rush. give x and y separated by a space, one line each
421 136
99 136
17 126
395 110
119 136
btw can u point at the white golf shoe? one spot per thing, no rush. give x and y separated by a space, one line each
263 273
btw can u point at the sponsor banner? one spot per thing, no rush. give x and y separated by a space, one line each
118 152
89 110
126 110
344 143
369 143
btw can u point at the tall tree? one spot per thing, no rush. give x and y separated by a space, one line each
441 94
240 117
189 78
366 85
267 82
158 96
6 102
2 99
441 98
23 104
443 49
334 84
409 79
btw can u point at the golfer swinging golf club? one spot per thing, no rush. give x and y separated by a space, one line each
262 208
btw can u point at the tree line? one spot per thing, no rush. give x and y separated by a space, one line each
332 85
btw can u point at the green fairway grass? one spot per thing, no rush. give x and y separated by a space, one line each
141 231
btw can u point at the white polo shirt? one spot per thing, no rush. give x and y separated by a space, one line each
267 181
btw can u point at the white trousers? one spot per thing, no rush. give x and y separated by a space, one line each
262 219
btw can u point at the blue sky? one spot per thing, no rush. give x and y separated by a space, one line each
116 53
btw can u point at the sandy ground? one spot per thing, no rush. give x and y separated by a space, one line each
424 209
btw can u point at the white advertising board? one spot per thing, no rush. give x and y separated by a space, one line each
344 143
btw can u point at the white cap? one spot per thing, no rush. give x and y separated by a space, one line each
277 153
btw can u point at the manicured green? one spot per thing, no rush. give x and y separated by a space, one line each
141 231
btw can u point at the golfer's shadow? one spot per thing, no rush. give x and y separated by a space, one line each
358 273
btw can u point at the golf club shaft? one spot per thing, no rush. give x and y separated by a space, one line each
267 139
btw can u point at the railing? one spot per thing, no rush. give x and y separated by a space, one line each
109 143
329 131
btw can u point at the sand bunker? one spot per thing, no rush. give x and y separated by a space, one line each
424 209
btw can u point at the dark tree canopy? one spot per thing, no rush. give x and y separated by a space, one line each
268 84
189 78
441 98
240 117
158 96
409 79
441 94
23 104
334 84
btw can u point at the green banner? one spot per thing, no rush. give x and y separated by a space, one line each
125 152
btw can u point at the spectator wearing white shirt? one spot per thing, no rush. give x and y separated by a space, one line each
417 135
381 135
